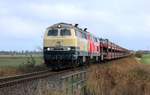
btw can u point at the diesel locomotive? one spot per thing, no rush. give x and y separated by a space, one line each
67 45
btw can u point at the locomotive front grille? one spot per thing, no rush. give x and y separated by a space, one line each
60 54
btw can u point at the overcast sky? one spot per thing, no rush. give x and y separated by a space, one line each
125 22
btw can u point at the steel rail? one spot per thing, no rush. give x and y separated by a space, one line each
9 81
9 78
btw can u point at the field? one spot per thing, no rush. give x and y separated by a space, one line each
16 61
19 64
145 59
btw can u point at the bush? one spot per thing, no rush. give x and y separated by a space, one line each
28 65
31 61
138 55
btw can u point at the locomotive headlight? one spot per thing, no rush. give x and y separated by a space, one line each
68 48
48 49
59 26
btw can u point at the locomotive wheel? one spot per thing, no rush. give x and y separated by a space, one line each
82 61
88 61
75 63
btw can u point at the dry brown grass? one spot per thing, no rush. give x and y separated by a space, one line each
9 71
122 77
56 93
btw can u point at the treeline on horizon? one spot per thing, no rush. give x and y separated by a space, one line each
29 52
143 51
23 52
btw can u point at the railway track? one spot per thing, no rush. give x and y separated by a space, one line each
35 75
8 81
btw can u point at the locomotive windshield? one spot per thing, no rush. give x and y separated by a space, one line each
53 32
65 32
59 32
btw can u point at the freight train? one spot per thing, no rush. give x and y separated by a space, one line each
67 45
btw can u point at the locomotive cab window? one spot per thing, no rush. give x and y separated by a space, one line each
65 32
53 32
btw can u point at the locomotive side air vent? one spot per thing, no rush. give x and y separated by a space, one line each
76 25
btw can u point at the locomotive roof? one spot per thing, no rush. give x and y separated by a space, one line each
65 25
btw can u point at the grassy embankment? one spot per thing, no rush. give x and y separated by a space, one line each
12 65
122 77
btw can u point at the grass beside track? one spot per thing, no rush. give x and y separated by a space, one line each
145 59
19 64
119 77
